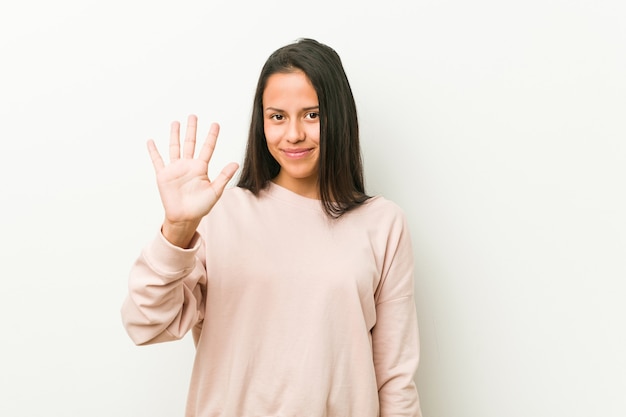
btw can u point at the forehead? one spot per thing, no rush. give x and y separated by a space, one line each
290 86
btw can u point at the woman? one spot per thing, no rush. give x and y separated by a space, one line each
297 286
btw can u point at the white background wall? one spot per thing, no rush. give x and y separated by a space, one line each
499 126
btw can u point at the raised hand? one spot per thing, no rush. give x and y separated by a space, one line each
186 192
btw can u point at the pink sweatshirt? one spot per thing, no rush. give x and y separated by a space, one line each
293 314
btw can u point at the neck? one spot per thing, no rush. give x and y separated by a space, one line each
306 187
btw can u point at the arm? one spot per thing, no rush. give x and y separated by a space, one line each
395 339
165 292
168 281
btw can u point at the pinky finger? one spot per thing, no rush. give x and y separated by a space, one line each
155 156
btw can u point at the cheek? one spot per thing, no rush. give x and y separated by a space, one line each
271 133
313 133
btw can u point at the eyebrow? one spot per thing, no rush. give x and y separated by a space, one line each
281 110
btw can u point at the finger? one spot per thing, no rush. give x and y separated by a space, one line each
222 179
174 141
155 156
209 144
190 137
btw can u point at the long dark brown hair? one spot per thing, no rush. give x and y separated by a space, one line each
340 175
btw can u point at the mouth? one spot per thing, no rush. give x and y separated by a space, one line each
297 153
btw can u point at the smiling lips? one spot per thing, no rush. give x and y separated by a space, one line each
297 153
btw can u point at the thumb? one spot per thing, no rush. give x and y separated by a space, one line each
219 183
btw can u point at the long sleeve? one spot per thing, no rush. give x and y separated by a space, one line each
166 290
395 338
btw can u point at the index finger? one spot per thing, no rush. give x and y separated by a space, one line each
209 143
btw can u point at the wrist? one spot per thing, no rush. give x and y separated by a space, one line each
179 233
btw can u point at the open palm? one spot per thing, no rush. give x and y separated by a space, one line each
186 191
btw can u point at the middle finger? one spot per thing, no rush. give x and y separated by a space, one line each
190 137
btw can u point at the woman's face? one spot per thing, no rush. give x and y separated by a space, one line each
292 129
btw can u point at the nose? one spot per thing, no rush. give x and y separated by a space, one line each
295 132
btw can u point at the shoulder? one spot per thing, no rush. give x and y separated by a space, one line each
235 196
235 206
379 216
234 202
379 207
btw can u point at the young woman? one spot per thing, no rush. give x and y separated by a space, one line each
296 285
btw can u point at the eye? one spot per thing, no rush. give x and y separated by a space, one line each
277 117
312 115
